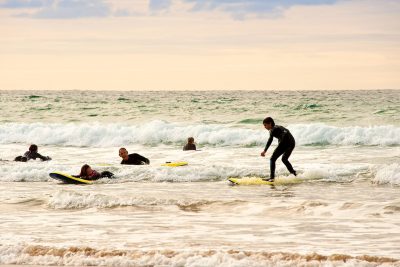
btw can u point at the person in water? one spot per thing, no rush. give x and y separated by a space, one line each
286 144
190 144
89 174
132 159
32 153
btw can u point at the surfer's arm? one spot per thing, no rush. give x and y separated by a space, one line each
268 143
143 159
146 160
45 158
42 157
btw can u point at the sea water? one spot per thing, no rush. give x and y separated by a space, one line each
345 211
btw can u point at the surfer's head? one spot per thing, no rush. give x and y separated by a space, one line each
268 123
33 148
190 140
123 153
86 170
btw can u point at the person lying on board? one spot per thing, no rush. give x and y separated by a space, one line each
190 144
88 173
286 144
32 153
132 159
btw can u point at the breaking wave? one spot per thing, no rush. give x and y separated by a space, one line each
161 132
388 174
88 256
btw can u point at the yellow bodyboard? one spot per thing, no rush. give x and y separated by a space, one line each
66 178
175 164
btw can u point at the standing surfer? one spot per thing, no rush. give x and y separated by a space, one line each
286 144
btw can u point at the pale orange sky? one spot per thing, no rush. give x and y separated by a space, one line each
342 45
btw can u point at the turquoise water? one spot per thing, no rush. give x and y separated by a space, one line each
338 108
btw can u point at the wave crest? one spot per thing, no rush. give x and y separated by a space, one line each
161 132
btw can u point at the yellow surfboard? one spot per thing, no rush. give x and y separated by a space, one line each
175 164
260 181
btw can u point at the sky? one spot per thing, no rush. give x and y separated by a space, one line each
199 44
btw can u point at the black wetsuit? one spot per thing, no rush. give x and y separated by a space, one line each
136 159
189 147
97 175
34 155
106 174
286 144
31 155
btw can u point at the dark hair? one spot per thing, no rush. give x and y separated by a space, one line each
190 140
269 120
84 170
33 148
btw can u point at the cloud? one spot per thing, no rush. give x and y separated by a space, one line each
157 5
241 8
122 13
75 9
68 9
24 3
60 9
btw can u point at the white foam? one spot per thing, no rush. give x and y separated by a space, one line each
388 174
308 134
27 172
161 132
64 199
41 255
39 172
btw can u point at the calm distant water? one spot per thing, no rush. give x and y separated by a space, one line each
345 211
339 108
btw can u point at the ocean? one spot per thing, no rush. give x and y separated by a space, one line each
345 211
